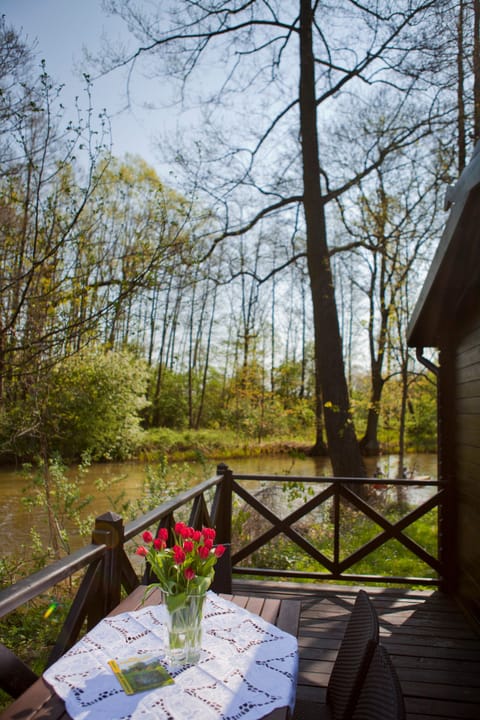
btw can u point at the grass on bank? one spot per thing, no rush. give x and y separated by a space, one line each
226 443
195 444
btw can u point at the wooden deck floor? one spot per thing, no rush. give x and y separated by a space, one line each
435 650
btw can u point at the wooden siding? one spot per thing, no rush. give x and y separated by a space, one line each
467 474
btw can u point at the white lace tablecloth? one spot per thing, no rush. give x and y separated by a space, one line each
247 668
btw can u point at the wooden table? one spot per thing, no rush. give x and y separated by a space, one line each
39 702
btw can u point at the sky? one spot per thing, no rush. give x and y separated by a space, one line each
61 29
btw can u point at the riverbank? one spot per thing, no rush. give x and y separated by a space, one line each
194 445
160 444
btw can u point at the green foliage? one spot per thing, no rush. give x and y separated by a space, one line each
91 402
194 444
96 401
95 404
294 383
258 413
247 403
51 487
240 406
161 482
356 530
29 622
212 400
422 416
171 406
28 558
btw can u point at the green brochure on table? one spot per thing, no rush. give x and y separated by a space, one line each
137 674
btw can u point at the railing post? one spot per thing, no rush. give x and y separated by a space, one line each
223 505
109 531
222 517
336 529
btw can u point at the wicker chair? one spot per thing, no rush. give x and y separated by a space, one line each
351 663
381 696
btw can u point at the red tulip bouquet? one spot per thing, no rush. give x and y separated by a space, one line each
186 568
184 573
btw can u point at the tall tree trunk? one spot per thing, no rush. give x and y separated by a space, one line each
377 342
342 443
302 392
162 359
192 353
272 335
403 422
369 443
461 135
206 365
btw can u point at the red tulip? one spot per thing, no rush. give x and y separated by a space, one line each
163 534
203 552
209 533
189 573
178 555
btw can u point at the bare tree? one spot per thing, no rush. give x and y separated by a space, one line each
389 223
289 61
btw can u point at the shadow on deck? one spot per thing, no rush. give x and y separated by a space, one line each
435 650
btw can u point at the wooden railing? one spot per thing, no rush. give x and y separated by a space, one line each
108 570
351 492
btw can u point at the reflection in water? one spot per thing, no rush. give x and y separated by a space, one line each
16 520
419 465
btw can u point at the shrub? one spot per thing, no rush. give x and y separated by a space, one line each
90 401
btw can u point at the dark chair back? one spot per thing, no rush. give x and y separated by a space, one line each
15 676
381 696
351 664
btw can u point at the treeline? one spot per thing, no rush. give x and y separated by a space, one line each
122 311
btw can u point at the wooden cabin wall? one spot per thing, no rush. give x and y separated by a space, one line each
467 475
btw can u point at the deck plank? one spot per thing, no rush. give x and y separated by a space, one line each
435 650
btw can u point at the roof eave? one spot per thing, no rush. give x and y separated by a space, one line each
425 326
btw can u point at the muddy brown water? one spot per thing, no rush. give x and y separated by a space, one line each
16 519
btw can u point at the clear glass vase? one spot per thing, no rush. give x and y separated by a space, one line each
183 628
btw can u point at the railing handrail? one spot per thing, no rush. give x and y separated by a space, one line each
30 587
136 526
319 479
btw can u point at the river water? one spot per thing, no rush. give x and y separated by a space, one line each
128 478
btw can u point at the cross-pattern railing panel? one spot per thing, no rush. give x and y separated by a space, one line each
348 491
